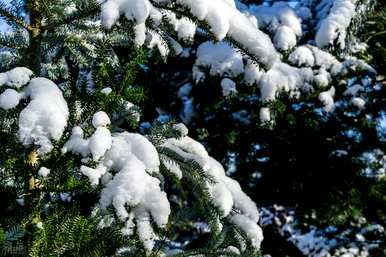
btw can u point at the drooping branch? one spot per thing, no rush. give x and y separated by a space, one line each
182 11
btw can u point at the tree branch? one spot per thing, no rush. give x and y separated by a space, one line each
12 18
375 35
83 14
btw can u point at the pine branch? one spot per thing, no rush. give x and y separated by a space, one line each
183 12
77 16
375 35
6 13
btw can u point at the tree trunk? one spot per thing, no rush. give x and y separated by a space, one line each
31 198
35 36
32 193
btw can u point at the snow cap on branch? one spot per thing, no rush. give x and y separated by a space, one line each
45 117
336 19
223 17
226 192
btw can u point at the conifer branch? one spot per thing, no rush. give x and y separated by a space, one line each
80 15
7 15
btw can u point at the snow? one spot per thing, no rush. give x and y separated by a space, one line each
220 58
127 163
252 73
94 175
124 164
326 60
181 128
311 56
222 17
381 126
43 172
173 167
140 34
145 231
3 78
336 20
135 10
184 90
226 192
374 164
65 197
144 151
280 13
357 239
358 102
45 117
265 114
106 90
16 77
353 90
327 99
132 186
284 38
185 28
252 230
281 20
188 110
156 41
302 56
100 119
228 87
9 99
99 142
76 143
304 13
282 77
322 79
